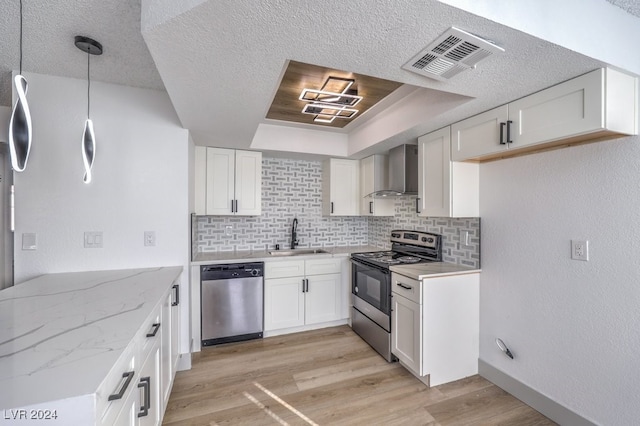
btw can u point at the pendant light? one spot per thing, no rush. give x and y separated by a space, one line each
20 123
92 47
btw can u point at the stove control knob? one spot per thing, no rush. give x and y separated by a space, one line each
254 272
424 239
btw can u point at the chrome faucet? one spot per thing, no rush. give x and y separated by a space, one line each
294 233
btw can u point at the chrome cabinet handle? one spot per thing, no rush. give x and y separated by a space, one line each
156 327
145 383
406 287
123 389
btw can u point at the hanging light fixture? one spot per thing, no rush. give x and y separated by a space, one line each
92 47
20 123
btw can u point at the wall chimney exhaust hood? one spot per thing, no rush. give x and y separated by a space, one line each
403 172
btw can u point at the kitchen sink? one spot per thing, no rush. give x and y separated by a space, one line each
297 252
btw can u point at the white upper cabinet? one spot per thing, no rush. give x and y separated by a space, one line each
228 182
445 188
340 187
599 105
374 176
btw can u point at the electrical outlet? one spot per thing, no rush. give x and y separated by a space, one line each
228 230
464 237
149 238
580 250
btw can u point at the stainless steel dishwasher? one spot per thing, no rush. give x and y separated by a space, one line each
232 298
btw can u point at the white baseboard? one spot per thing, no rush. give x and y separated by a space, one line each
550 408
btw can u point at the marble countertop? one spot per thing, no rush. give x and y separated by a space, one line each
60 334
263 255
420 271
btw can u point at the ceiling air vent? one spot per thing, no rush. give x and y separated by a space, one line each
450 54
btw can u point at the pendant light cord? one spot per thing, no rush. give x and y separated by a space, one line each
88 84
20 37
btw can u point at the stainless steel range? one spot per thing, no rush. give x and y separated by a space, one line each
371 284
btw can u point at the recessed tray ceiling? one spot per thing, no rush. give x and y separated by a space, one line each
298 76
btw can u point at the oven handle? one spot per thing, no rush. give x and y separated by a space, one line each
357 263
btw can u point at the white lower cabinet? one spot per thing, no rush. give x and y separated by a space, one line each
284 303
302 293
435 326
140 387
407 332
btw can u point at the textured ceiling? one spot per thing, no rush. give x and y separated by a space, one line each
631 6
221 60
48 31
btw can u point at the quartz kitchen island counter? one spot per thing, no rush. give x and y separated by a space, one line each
61 334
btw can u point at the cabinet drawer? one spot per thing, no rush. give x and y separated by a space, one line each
151 333
406 287
329 265
118 385
287 268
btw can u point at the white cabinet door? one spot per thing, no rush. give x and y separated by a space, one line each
128 416
479 135
283 303
166 367
200 180
149 411
248 179
220 181
341 187
323 299
406 332
445 188
571 108
175 333
374 177
367 185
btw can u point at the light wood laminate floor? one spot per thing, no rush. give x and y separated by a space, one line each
328 377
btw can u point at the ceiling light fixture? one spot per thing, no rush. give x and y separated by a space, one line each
20 123
92 47
335 99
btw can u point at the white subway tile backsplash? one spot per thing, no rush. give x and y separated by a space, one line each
293 189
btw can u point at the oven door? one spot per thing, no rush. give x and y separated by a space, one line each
373 285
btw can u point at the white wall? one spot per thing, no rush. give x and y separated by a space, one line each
572 325
140 182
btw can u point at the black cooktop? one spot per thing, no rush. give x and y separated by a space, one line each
408 247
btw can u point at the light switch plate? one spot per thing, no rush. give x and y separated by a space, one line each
93 239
